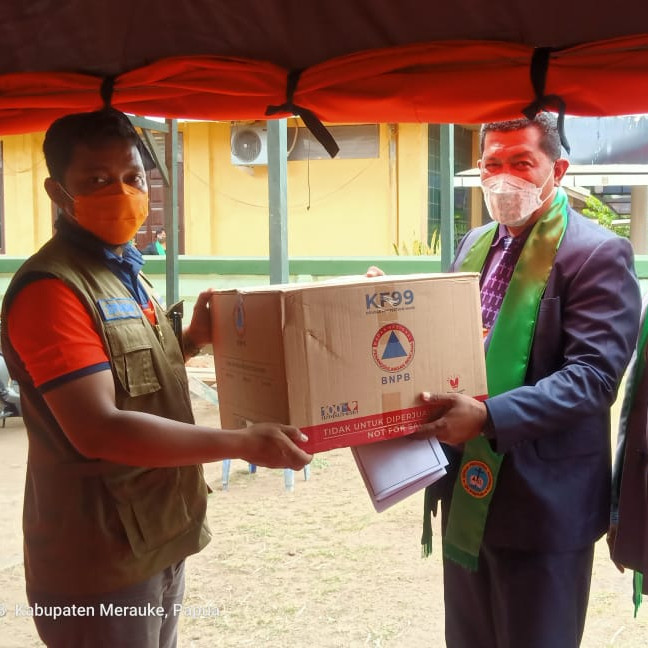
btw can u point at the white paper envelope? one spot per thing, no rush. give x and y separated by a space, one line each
395 469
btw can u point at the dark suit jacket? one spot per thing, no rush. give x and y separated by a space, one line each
629 493
553 491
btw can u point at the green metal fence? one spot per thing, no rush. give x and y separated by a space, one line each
199 273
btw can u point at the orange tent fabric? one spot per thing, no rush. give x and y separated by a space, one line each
443 81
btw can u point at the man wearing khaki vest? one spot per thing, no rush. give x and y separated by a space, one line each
115 497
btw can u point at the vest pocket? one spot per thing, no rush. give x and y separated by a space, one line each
132 357
151 507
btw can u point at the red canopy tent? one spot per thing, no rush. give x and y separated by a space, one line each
357 60
464 61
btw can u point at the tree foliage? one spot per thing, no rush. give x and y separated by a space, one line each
605 216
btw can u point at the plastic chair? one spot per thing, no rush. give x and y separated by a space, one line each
289 475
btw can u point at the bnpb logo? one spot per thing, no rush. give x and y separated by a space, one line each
392 347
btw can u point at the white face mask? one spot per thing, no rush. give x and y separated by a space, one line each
511 200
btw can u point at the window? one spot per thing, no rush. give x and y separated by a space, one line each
358 141
462 162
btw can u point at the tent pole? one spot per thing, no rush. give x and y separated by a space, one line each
446 161
278 199
278 202
171 215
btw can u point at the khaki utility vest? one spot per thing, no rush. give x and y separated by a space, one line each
93 526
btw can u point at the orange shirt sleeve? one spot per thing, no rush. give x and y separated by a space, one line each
54 334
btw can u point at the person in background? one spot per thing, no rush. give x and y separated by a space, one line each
115 497
628 533
158 246
528 489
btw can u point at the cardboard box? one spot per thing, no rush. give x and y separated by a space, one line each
346 360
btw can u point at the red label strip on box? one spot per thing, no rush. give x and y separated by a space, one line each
343 432
347 432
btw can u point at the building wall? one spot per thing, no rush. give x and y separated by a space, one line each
27 208
347 207
335 207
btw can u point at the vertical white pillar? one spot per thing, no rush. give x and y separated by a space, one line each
278 199
639 219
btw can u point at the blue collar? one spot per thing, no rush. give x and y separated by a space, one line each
126 267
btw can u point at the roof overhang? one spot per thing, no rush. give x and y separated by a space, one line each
581 175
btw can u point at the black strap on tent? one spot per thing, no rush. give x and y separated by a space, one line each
314 125
106 91
539 69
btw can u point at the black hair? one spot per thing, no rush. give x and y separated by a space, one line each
545 122
91 129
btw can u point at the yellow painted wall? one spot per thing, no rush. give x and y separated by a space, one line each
412 182
335 207
476 201
27 209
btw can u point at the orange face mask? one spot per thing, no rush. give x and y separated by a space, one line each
113 214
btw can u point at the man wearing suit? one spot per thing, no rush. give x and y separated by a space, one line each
628 533
532 462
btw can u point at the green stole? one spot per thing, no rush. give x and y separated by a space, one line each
507 359
633 383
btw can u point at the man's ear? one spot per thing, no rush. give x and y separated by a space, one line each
56 193
560 168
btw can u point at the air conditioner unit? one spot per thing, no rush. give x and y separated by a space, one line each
249 144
